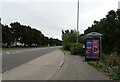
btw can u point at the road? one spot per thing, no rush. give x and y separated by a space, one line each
75 69
15 58
41 68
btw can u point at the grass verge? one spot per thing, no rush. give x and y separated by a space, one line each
112 72
22 48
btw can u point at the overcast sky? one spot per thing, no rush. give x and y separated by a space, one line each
51 16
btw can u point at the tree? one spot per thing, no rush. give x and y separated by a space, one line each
109 27
26 35
69 38
6 35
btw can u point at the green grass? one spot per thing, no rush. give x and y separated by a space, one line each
64 51
0 49
110 71
9 49
21 48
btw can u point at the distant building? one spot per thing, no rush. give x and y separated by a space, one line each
16 44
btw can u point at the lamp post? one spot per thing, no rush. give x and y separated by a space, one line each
77 19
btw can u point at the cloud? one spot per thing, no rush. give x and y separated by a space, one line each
95 10
51 16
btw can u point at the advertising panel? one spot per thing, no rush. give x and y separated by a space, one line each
92 48
89 48
95 48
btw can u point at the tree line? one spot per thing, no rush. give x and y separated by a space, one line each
26 36
110 28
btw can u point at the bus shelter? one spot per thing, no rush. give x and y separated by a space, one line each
92 45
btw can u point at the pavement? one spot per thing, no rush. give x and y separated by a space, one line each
41 68
74 68
55 65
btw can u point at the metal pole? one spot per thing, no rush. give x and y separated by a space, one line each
77 19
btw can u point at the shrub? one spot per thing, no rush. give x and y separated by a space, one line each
76 49
109 64
67 46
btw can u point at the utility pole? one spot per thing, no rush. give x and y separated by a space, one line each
77 19
119 5
0 20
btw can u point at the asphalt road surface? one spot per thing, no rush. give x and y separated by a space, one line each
11 59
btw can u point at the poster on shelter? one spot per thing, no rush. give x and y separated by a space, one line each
95 48
89 48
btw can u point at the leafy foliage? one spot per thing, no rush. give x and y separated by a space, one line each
25 35
69 38
111 72
76 49
109 27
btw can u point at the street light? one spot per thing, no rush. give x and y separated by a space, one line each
77 19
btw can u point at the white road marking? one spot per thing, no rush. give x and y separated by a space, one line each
8 52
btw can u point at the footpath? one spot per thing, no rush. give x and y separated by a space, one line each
55 66
74 68
41 68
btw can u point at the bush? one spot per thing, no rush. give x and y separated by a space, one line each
76 49
108 64
110 60
67 46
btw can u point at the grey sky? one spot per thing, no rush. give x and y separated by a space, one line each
52 16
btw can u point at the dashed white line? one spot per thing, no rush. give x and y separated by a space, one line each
8 52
